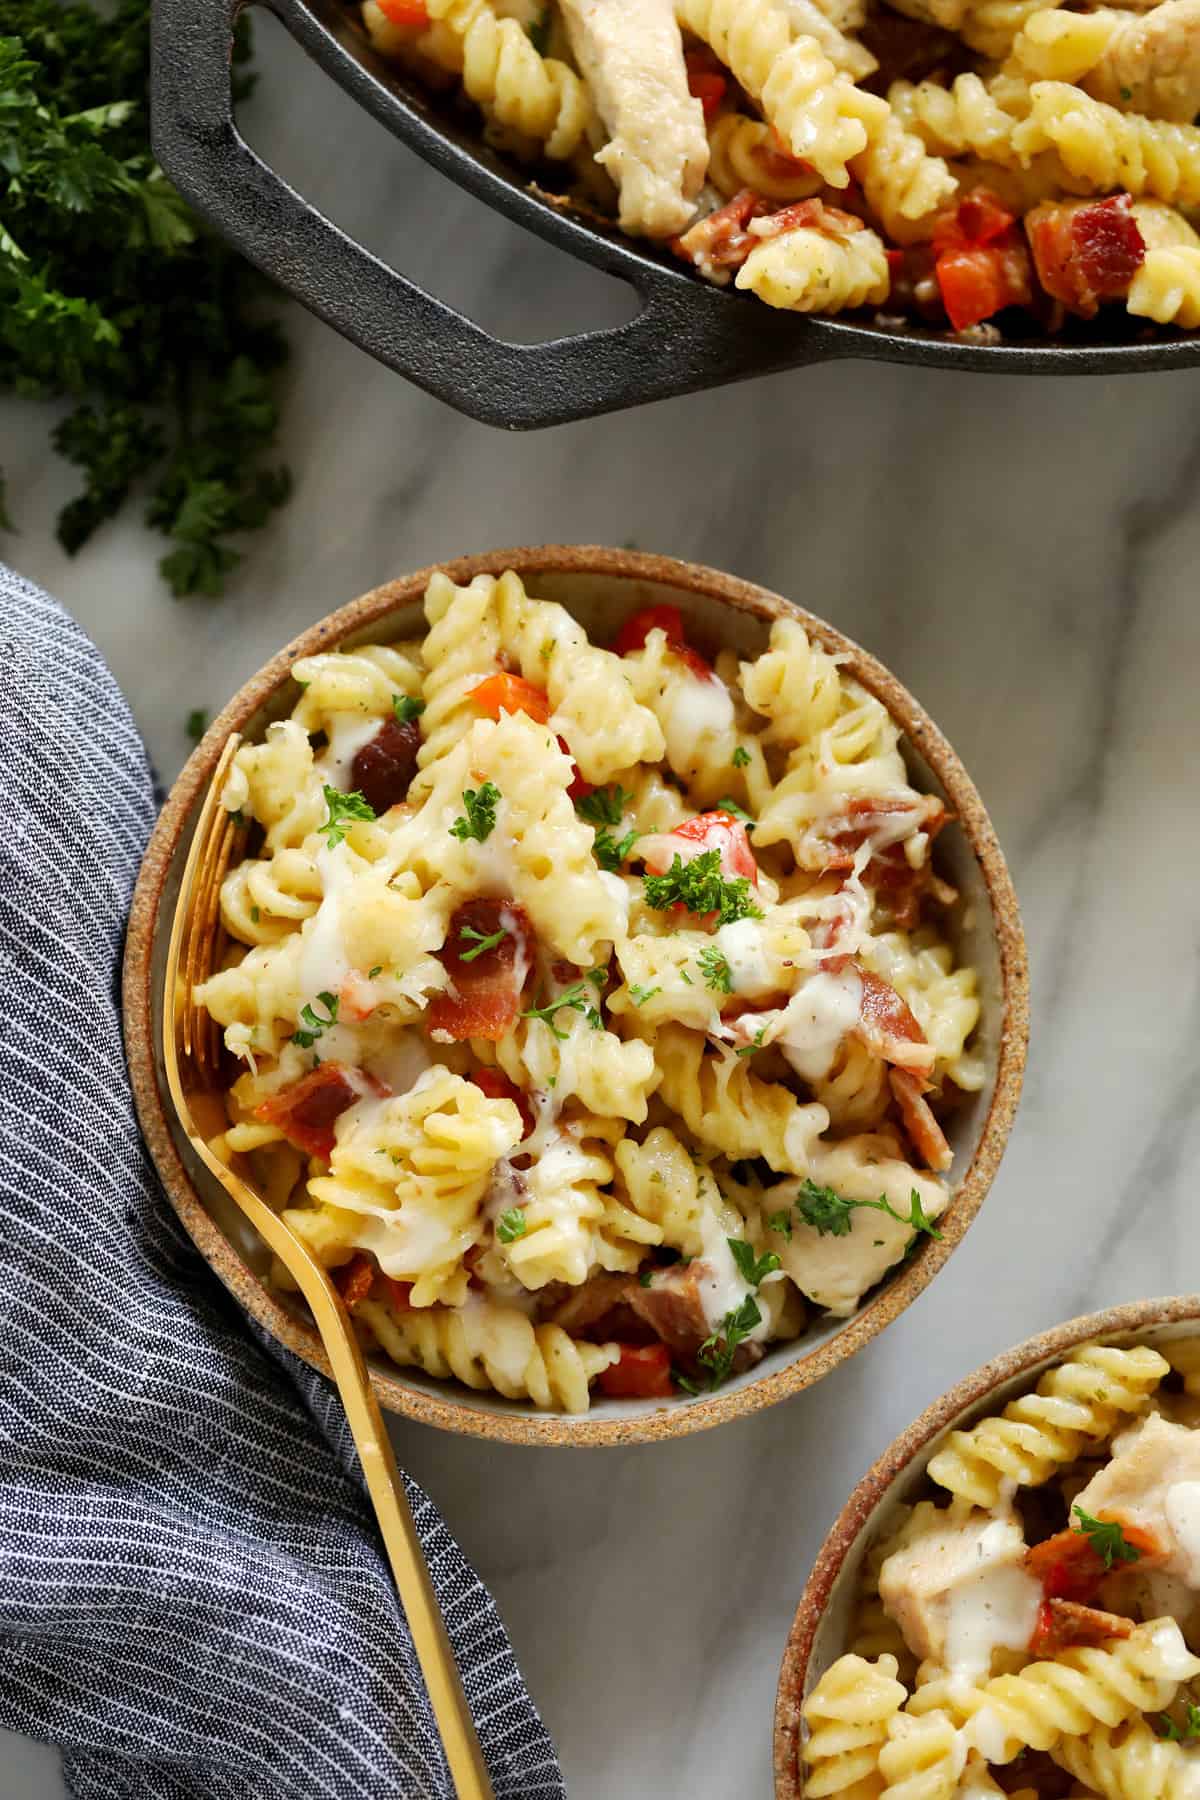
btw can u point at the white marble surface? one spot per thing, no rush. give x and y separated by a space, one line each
1022 553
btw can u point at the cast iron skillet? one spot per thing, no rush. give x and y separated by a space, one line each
687 335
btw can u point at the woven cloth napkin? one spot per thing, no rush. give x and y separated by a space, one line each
193 1601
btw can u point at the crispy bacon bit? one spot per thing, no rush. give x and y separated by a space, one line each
485 992
925 1134
1069 1566
887 1026
842 836
306 1111
598 1308
720 242
512 694
706 79
807 215
673 1309
1065 1624
668 620
643 1373
498 1087
355 1279
386 764
1085 251
397 1293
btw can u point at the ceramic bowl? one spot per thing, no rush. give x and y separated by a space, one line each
821 1628
600 587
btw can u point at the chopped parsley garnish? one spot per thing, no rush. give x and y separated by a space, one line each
481 943
197 724
728 804
511 1225
610 852
829 1213
755 1044
700 886
640 995
255 915
717 1351
344 810
780 1221
316 1025
1179 1734
1106 1538
645 1278
603 806
406 708
740 757
577 998
752 1269
377 970
716 971
480 820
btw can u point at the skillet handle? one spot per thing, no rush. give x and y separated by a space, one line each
687 335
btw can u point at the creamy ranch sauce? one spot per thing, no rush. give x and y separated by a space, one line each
816 1019
996 1611
348 733
719 1285
743 945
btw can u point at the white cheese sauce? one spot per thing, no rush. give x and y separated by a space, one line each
822 1011
744 947
998 1610
719 1284
703 707
348 733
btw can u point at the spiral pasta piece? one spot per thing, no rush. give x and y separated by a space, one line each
991 26
1111 149
742 154
1129 1763
1075 1404
1167 287
904 185
705 741
847 1715
960 120
262 901
922 1759
485 1345
462 646
538 97
815 271
719 1100
608 1074
794 684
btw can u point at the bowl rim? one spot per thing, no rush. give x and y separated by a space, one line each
846 1531
455 1412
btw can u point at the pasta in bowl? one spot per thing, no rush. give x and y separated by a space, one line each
1008 1602
592 1002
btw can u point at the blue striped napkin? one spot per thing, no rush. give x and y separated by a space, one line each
193 1602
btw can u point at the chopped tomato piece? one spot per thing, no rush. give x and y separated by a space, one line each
643 1373
978 219
355 1279
399 1293
484 996
386 764
512 694
579 788
888 1026
405 12
1085 251
306 1111
924 1132
719 830
977 282
1069 1566
707 81
1065 1624
668 620
498 1087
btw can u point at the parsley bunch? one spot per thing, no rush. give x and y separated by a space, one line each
115 297
702 887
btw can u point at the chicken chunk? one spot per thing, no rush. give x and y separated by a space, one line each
1153 1482
1152 63
630 53
960 1591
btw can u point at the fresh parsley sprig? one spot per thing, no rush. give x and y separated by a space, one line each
316 1025
405 709
829 1212
511 1225
700 886
480 820
603 806
577 999
610 852
639 995
1106 1538
728 804
1180 1734
715 969
481 942
752 1269
344 810
717 1351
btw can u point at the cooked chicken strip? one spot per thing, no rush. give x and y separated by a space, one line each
631 55
1152 63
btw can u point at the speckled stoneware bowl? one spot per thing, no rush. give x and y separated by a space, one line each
822 1624
600 587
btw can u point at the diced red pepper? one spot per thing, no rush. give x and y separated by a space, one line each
484 997
307 1111
643 1373
668 620
1069 1566
978 219
976 283
497 1086
707 81
512 694
355 1279
385 765
1086 251
405 12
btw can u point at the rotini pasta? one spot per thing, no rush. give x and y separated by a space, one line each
816 271
537 1055
847 1714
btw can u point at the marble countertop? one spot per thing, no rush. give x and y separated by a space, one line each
1022 553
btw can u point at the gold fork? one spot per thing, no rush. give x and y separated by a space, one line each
191 1049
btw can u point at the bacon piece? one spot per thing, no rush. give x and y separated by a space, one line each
1065 1624
593 1309
925 1134
888 1027
673 1309
385 765
355 1279
807 215
306 1111
485 993
1069 1566
1085 251
720 241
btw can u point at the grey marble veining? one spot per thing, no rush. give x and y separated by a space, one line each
1022 553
